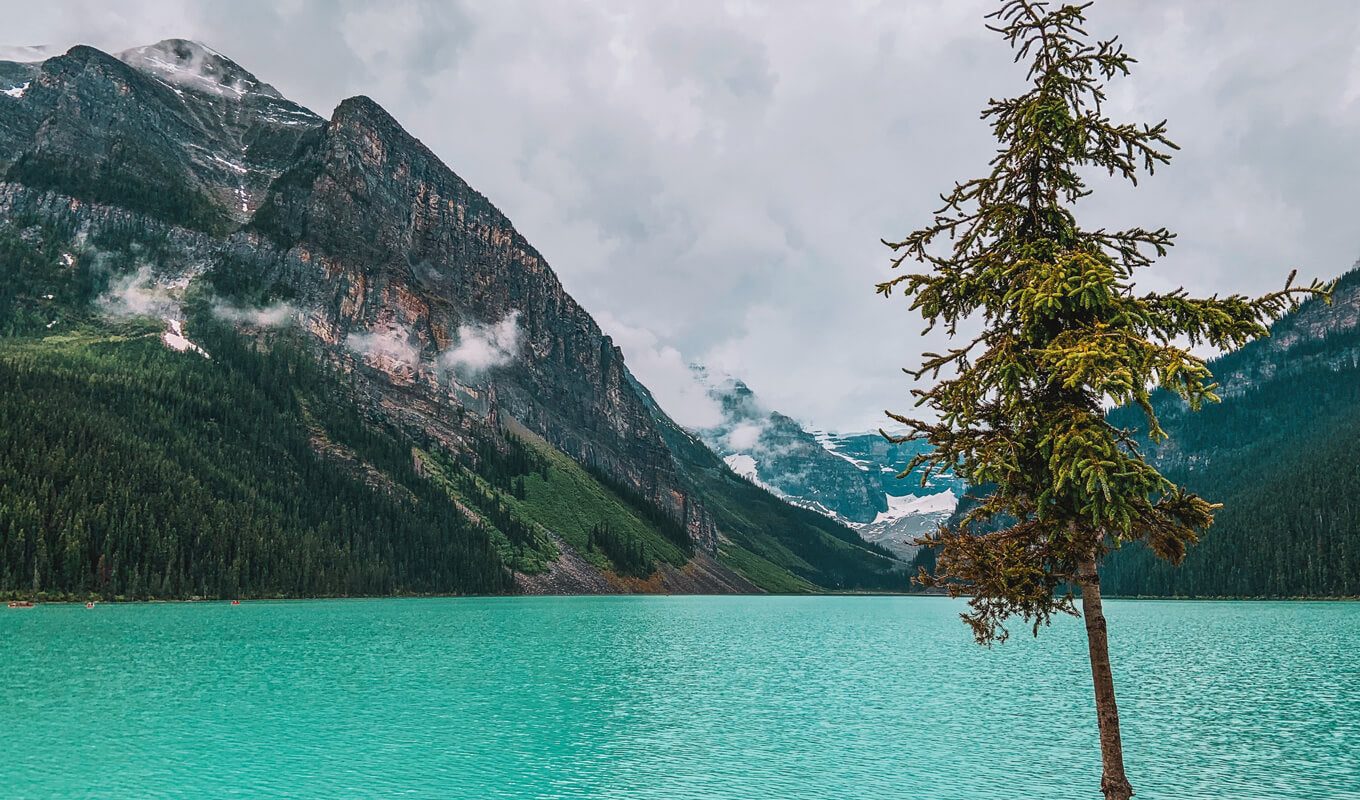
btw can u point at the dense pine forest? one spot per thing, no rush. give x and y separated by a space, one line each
1282 454
127 469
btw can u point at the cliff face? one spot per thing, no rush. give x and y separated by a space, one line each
405 278
396 242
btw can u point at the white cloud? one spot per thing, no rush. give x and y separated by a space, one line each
386 347
482 347
141 294
664 371
744 436
138 294
271 316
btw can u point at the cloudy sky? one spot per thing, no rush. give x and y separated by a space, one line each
712 179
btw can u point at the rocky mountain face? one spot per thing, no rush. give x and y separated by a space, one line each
404 278
852 478
177 131
385 240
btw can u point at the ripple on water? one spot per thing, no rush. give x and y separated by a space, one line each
668 697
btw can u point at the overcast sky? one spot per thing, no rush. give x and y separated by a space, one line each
712 179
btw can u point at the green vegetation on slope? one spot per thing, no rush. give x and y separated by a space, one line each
129 177
40 285
763 528
572 503
1282 459
130 470
762 572
527 488
522 544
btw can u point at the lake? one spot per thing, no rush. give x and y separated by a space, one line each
863 698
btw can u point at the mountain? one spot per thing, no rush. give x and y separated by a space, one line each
173 226
852 478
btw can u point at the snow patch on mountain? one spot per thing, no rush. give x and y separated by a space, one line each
828 443
745 466
908 505
196 66
813 505
17 91
176 340
742 464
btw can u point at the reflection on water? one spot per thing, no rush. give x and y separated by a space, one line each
668 698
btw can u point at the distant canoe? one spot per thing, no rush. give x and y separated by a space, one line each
21 604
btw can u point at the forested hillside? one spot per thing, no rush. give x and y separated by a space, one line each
127 469
1282 454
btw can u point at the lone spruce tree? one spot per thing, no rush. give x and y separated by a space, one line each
1063 337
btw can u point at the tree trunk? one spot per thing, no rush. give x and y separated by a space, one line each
1113 783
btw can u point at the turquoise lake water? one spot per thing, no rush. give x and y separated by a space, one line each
863 698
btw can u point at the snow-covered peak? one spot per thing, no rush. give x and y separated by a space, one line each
193 65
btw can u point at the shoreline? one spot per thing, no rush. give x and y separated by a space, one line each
243 600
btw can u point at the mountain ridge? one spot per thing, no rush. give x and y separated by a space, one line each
1288 527
408 283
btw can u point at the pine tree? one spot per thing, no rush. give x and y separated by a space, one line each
1063 336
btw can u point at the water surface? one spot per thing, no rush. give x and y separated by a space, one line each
652 698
